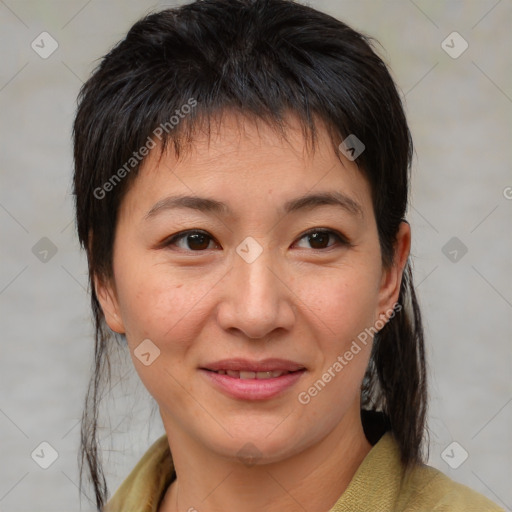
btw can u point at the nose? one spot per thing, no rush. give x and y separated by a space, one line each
256 299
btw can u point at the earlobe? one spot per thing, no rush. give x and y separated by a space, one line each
392 277
109 305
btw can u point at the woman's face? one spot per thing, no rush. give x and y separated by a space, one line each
248 327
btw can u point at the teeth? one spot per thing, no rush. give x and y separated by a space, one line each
252 375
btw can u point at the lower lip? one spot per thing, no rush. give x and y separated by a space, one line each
253 389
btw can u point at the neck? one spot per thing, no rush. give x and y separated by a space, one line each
312 479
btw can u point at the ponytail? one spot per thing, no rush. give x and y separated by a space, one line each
395 381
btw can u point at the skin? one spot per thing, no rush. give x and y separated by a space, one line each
299 300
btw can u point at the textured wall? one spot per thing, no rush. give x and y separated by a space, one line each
459 108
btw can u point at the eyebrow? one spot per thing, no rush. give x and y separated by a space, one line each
306 202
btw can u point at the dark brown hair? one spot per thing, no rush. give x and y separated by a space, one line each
263 59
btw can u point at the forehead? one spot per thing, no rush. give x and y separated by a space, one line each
244 161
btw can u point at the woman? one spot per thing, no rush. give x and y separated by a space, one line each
241 181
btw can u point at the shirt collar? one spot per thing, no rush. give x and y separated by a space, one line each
145 487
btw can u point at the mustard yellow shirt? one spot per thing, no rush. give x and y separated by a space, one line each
375 487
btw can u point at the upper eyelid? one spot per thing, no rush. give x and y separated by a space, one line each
342 238
324 230
184 234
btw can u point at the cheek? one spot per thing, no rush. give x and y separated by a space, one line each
342 302
171 313
342 309
161 306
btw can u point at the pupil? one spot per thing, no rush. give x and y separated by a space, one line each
197 241
319 240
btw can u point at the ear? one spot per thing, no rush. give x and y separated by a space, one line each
392 276
107 298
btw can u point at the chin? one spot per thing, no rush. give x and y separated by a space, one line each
253 446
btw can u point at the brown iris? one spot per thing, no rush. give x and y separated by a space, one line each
198 241
319 240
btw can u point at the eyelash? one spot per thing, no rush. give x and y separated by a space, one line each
341 239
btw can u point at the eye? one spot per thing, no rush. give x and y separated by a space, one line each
322 239
191 241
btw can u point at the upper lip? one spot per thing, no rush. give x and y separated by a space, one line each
265 365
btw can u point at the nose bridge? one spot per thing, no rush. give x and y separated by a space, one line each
255 301
258 281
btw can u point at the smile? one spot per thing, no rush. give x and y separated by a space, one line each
244 375
251 385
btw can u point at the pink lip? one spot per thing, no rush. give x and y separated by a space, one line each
265 365
252 389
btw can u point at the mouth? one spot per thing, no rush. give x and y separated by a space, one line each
253 380
240 368
244 375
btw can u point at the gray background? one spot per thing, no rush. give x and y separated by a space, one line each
459 111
